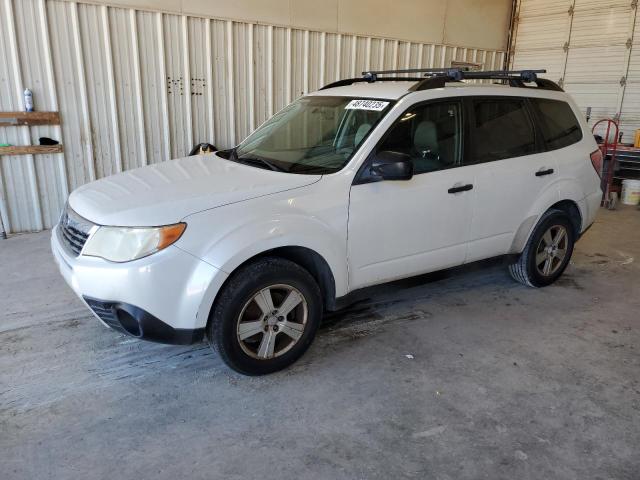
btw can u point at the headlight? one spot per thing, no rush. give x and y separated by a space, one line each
123 244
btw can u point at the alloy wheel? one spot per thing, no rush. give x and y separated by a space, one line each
272 321
552 250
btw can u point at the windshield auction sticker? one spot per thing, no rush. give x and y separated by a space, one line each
374 105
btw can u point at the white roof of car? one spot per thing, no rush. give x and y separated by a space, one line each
388 90
396 89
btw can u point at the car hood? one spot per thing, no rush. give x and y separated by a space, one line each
167 192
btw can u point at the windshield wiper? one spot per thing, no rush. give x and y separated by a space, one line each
260 162
228 154
232 154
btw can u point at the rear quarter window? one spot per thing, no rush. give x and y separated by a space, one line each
558 124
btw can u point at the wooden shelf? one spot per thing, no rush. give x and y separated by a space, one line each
30 149
14 119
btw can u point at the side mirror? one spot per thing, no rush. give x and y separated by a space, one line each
388 165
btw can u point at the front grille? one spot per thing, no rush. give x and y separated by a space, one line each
74 231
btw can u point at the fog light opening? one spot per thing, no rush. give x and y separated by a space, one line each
128 322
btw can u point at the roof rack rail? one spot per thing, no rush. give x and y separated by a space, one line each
438 77
349 81
513 78
459 73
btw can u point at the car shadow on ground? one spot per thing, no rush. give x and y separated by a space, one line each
367 303
100 357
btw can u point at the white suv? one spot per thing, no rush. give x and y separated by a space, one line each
366 181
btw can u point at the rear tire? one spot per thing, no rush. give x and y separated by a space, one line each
548 251
265 316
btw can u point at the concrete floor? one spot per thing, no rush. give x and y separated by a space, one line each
471 376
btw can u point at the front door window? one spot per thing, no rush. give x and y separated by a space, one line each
430 135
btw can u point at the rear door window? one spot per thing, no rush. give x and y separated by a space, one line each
558 124
501 127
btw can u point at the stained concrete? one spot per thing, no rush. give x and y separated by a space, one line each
463 375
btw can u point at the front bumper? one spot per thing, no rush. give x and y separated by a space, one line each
165 297
139 323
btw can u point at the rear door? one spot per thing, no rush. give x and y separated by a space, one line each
511 170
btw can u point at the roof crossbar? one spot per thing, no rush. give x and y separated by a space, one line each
373 74
438 77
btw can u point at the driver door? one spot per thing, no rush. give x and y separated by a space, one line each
402 228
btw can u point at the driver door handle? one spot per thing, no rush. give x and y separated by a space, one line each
460 188
543 172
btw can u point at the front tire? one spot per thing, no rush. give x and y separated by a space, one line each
548 251
265 316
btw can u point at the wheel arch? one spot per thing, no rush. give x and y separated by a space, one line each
572 210
312 262
307 258
570 207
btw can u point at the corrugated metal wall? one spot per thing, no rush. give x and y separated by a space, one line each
592 47
137 87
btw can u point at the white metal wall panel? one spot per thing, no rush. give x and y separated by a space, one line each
581 68
244 55
281 77
263 72
602 98
390 55
201 81
178 85
126 63
21 199
32 32
71 92
361 56
154 86
543 32
599 4
316 57
375 54
138 87
532 8
223 104
298 62
587 46
415 56
98 67
600 25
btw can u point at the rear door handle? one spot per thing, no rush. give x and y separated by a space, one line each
461 188
541 173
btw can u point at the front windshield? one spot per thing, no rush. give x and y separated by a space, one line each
313 135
